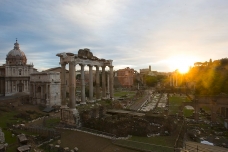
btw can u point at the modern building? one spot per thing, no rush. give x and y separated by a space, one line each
15 74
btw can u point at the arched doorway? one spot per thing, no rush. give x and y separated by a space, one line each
20 87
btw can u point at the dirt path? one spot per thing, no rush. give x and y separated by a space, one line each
89 143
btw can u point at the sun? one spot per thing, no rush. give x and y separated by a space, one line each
182 63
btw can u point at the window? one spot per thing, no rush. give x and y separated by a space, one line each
19 72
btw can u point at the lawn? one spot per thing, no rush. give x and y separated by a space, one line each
175 103
130 94
158 143
188 112
8 117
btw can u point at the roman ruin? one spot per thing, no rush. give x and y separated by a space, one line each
84 57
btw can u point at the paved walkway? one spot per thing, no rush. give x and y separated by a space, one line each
192 147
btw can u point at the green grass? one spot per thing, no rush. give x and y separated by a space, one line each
158 143
174 104
8 117
187 112
157 140
124 93
51 122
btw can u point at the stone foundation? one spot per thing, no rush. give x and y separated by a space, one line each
70 117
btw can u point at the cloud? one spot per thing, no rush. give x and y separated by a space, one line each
132 33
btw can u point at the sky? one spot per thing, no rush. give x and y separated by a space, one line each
165 34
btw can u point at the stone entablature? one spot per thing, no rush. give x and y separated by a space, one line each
45 88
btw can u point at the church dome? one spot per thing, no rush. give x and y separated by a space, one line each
16 56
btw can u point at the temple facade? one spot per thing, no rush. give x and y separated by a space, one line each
15 73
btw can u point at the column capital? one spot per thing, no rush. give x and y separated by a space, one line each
82 65
111 66
63 63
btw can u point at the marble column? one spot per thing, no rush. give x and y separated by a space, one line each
11 86
108 93
90 83
27 84
47 94
170 80
72 84
6 89
63 85
97 83
41 93
82 84
111 82
103 83
34 90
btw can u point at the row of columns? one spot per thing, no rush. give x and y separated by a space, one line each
72 84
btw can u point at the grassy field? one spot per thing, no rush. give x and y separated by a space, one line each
8 117
129 94
143 145
187 112
175 103
157 143
17 115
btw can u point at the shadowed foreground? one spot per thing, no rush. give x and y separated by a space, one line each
89 143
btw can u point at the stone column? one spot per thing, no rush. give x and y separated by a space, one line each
11 86
111 82
108 93
97 83
82 84
170 80
72 84
33 89
173 79
176 79
47 94
6 89
63 85
41 92
103 83
27 83
90 83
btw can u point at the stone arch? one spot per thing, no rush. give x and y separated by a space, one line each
38 89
